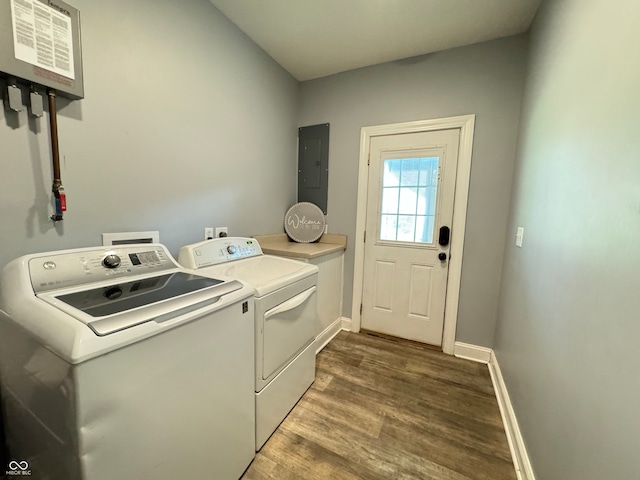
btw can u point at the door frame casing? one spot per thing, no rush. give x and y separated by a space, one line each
466 124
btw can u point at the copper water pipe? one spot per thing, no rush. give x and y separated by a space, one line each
55 151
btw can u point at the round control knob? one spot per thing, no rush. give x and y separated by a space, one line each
231 249
111 261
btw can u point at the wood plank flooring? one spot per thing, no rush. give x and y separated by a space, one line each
386 409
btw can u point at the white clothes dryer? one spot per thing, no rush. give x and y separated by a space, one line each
285 319
118 363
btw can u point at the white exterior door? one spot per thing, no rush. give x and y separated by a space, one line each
410 198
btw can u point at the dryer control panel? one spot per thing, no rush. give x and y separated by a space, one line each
66 269
218 250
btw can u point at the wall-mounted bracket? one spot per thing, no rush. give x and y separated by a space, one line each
36 103
14 96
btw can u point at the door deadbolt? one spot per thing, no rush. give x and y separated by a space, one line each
443 238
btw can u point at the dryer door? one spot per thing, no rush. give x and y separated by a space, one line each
288 328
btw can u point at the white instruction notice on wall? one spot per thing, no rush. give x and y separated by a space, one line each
42 36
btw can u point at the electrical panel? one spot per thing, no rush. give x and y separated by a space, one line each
313 165
40 44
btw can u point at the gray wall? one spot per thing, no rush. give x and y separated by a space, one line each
485 79
568 327
186 123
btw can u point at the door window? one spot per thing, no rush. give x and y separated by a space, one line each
409 197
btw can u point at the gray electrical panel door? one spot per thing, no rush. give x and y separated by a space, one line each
40 43
313 164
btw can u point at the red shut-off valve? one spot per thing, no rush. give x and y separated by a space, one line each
63 202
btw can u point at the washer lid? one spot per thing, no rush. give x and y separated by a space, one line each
121 297
266 273
111 308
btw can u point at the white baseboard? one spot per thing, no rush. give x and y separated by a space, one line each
519 454
347 324
521 461
327 335
472 352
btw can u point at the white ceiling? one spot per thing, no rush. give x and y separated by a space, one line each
316 38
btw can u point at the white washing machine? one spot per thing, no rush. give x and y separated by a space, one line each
117 363
285 318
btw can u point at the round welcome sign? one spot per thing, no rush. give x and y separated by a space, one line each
304 222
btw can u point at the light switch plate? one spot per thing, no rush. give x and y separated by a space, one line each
519 236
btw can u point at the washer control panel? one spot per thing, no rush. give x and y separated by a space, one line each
60 269
218 250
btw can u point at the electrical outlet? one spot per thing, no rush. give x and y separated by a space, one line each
222 232
208 233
